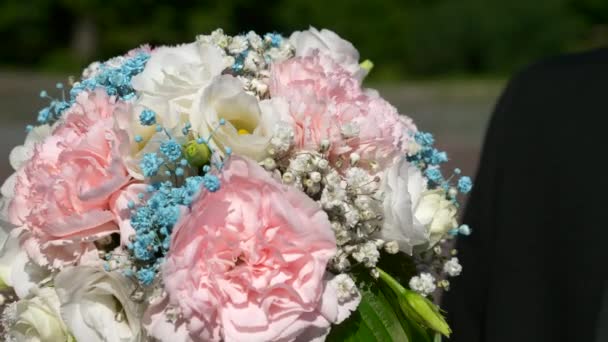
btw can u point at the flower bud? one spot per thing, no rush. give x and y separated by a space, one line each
452 192
391 247
416 307
197 154
324 145
323 164
424 312
288 178
315 176
367 65
269 164
354 159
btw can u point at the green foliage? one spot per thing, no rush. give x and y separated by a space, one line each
390 312
374 320
403 38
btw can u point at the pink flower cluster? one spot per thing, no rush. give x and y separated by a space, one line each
325 101
248 262
63 195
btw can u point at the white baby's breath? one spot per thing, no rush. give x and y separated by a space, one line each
237 45
367 253
255 40
452 267
423 284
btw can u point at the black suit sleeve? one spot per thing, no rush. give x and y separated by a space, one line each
466 302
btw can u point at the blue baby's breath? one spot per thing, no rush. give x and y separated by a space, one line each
465 184
172 150
147 117
150 164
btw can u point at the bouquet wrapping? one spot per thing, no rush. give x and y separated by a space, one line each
236 188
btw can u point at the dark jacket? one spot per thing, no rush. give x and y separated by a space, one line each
536 265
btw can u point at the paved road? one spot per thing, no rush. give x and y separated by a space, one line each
455 111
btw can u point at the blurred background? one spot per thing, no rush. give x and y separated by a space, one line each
442 62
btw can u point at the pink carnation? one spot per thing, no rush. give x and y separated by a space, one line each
62 195
383 133
324 98
248 262
312 86
319 71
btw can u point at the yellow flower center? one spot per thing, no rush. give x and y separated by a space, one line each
243 131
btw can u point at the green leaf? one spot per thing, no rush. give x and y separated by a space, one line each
374 320
378 314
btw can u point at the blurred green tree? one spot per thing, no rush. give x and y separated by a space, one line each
406 38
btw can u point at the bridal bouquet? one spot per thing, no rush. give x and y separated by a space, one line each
243 188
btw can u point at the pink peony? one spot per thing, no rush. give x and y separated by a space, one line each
62 195
248 262
324 99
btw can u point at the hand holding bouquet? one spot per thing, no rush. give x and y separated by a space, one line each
230 189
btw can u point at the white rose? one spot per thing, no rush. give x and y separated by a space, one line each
16 268
38 318
401 187
328 42
249 123
436 212
96 305
171 79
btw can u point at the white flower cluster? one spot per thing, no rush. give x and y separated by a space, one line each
346 288
423 284
282 139
441 264
8 320
452 267
349 196
250 56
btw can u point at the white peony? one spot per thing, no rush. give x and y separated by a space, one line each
249 123
37 318
328 42
401 187
96 305
436 212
